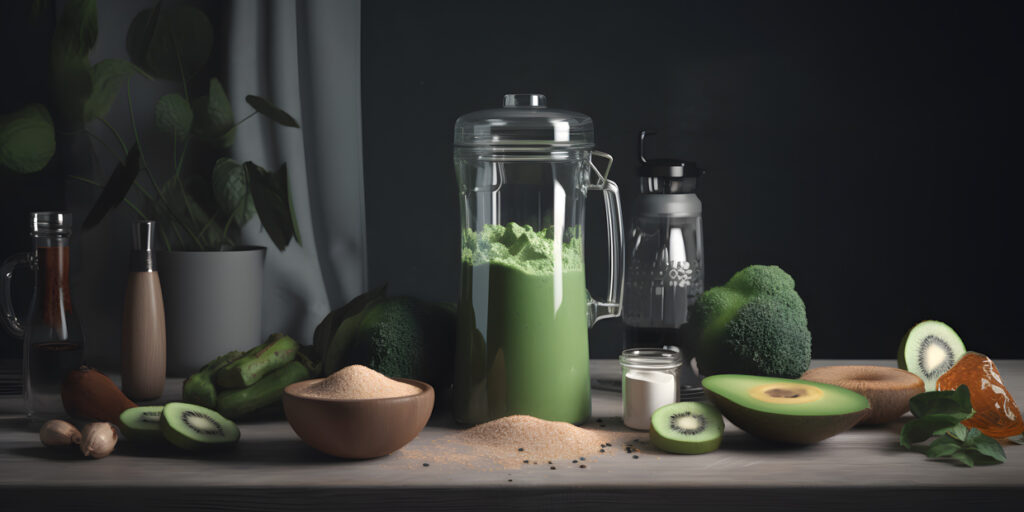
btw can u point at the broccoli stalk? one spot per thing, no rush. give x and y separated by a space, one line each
756 324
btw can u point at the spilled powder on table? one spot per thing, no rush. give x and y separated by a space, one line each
358 382
521 441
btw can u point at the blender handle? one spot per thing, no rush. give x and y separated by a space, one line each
612 307
9 319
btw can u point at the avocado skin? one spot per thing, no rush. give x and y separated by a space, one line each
785 428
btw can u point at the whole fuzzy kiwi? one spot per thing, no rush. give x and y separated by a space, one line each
887 389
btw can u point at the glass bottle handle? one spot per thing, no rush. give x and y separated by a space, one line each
9 319
612 306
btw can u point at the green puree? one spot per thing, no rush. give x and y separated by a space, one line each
522 332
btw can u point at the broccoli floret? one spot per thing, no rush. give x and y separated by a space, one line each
756 324
407 338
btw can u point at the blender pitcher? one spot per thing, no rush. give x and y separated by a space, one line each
523 173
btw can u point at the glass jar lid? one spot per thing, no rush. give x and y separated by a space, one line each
525 120
651 358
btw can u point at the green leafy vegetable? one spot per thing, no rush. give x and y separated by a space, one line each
265 107
272 198
231 190
172 44
214 119
117 187
942 402
173 115
107 78
941 413
26 139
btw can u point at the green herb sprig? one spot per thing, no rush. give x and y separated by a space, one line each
941 413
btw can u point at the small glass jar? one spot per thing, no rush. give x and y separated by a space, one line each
650 379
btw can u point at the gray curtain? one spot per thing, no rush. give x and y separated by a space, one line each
304 56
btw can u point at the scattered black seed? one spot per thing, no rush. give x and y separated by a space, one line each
583 466
509 479
426 465
526 462
520 449
575 461
602 450
549 462
583 458
552 467
636 456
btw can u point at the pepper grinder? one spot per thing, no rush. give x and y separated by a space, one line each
143 333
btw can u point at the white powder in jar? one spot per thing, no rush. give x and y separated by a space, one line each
643 392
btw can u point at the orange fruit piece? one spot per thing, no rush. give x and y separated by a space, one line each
995 413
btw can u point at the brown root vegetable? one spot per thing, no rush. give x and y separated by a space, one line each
89 394
98 440
887 389
59 433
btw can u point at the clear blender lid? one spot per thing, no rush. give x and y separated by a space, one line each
525 120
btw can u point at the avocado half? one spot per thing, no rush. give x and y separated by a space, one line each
786 410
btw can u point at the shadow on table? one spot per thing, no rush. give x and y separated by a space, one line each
739 441
270 452
50 453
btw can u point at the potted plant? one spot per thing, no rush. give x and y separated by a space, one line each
200 199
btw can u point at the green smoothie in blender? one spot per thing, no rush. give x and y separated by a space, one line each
522 336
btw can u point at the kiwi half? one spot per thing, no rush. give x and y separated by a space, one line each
142 423
687 427
194 427
928 350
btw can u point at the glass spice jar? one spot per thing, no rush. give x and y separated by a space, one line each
650 379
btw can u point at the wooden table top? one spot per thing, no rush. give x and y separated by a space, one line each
271 469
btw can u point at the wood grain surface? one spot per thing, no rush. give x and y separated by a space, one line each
271 469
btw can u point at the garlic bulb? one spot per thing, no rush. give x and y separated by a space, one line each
98 440
59 433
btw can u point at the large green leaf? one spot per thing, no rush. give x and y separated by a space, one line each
71 83
70 72
271 201
170 43
26 139
116 189
173 115
942 402
284 188
141 32
214 120
77 28
231 190
265 107
107 77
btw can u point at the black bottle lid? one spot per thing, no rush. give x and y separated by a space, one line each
667 175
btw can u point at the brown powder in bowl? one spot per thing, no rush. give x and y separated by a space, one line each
358 382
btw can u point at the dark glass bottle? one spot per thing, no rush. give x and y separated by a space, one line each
52 335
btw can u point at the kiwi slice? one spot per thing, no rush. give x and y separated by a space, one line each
687 427
194 427
928 350
142 423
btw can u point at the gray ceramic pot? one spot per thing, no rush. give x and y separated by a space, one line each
213 304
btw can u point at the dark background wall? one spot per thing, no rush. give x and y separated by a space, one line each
868 148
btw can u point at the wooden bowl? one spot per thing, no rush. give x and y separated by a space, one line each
357 429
